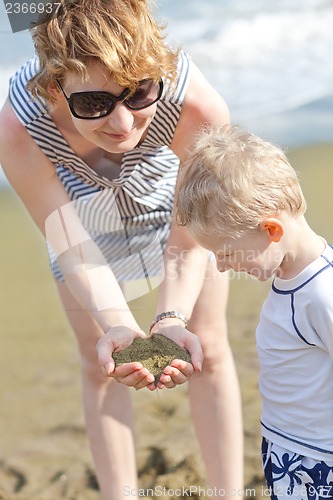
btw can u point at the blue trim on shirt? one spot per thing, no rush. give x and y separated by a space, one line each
293 290
294 322
296 440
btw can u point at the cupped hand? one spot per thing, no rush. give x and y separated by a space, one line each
131 374
134 375
179 371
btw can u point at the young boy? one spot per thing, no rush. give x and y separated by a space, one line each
240 198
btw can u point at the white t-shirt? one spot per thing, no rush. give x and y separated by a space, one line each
295 348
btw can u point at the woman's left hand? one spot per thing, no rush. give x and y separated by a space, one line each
179 371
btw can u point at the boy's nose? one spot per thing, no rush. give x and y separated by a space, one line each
222 267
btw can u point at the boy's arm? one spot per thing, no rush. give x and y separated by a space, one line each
321 318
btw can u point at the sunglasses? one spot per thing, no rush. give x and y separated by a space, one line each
95 104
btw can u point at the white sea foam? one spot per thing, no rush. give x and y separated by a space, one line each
262 58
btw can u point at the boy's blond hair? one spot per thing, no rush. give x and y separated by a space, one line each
120 34
232 180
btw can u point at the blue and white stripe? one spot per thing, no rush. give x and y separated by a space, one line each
143 192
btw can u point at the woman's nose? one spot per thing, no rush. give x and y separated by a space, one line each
121 119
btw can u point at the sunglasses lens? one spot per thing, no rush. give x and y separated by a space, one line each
96 104
92 104
147 93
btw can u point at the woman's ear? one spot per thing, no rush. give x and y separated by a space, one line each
53 90
273 227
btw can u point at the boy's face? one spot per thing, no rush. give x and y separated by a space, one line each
253 253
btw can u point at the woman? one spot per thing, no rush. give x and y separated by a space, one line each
91 140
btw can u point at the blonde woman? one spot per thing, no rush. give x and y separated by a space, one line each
91 139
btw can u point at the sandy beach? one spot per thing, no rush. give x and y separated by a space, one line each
44 453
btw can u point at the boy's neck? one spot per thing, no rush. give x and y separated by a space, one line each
303 246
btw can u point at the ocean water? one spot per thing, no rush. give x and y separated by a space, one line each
271 60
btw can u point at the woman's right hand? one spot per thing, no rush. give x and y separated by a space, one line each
133 374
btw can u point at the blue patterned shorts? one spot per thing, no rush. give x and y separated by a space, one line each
295 477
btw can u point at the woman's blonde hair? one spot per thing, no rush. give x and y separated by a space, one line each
232 180
120 34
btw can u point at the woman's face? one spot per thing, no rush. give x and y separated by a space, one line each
123 128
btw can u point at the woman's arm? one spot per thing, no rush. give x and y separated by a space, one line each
87 274
184 260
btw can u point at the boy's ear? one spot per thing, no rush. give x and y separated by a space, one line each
274 229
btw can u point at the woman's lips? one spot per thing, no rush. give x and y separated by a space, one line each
117 137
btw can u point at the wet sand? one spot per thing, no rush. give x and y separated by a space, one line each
44 453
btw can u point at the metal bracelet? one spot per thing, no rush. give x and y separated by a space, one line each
169 314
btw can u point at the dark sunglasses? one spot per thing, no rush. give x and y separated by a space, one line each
96 104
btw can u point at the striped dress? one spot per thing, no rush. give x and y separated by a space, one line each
128 217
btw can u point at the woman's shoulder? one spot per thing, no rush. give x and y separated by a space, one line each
25 106
174 92
162 128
